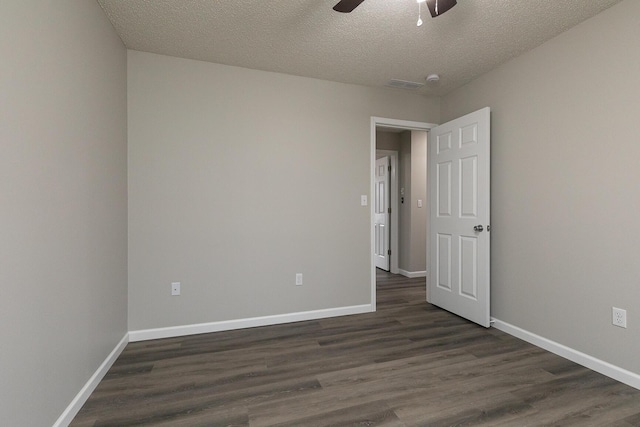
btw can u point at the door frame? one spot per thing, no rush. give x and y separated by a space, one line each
397 124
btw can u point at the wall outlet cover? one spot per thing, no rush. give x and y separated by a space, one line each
619 317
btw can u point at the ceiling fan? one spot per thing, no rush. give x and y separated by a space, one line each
436 7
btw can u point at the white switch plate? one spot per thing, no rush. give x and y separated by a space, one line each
175 288
363 200
298 279
419 203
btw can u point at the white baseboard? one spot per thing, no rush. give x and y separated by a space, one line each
412 274
76 404
228 325
605 368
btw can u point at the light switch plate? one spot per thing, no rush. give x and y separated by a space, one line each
175 288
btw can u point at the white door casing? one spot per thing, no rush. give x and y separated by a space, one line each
459 194
381 213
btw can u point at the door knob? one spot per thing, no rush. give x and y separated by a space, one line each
478 228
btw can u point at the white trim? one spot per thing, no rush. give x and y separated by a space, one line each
398 124
412 274
252 322
76 404
395 208
605 368
401 124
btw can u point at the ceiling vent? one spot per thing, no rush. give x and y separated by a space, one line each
403 84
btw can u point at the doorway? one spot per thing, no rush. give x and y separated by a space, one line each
397 196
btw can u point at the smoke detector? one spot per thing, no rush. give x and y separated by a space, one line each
432 78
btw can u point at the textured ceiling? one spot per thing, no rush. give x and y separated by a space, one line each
377 42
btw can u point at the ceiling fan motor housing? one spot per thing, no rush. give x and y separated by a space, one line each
438 7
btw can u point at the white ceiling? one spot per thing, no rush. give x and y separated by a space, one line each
377 42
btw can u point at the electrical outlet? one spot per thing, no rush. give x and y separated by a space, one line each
298 279
619 317
175 288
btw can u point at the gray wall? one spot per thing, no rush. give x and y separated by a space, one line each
565 193
387 140
63 239
418 257
404 217
238 179
413 220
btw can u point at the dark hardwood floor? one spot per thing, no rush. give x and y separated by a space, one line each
408 364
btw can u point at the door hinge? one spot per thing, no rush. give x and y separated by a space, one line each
389 210
388 251
488 228
389 168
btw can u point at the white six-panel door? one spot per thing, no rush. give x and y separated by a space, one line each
381 213
459 216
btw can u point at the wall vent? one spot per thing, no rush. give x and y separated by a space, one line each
403 84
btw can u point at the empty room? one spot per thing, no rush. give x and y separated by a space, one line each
202 224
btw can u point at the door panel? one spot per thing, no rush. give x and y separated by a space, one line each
469 187
444 189
443 267
468 267
459 185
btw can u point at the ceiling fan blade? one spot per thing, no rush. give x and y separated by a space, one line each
443 6
346 6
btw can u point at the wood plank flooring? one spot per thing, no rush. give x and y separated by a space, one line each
408 364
